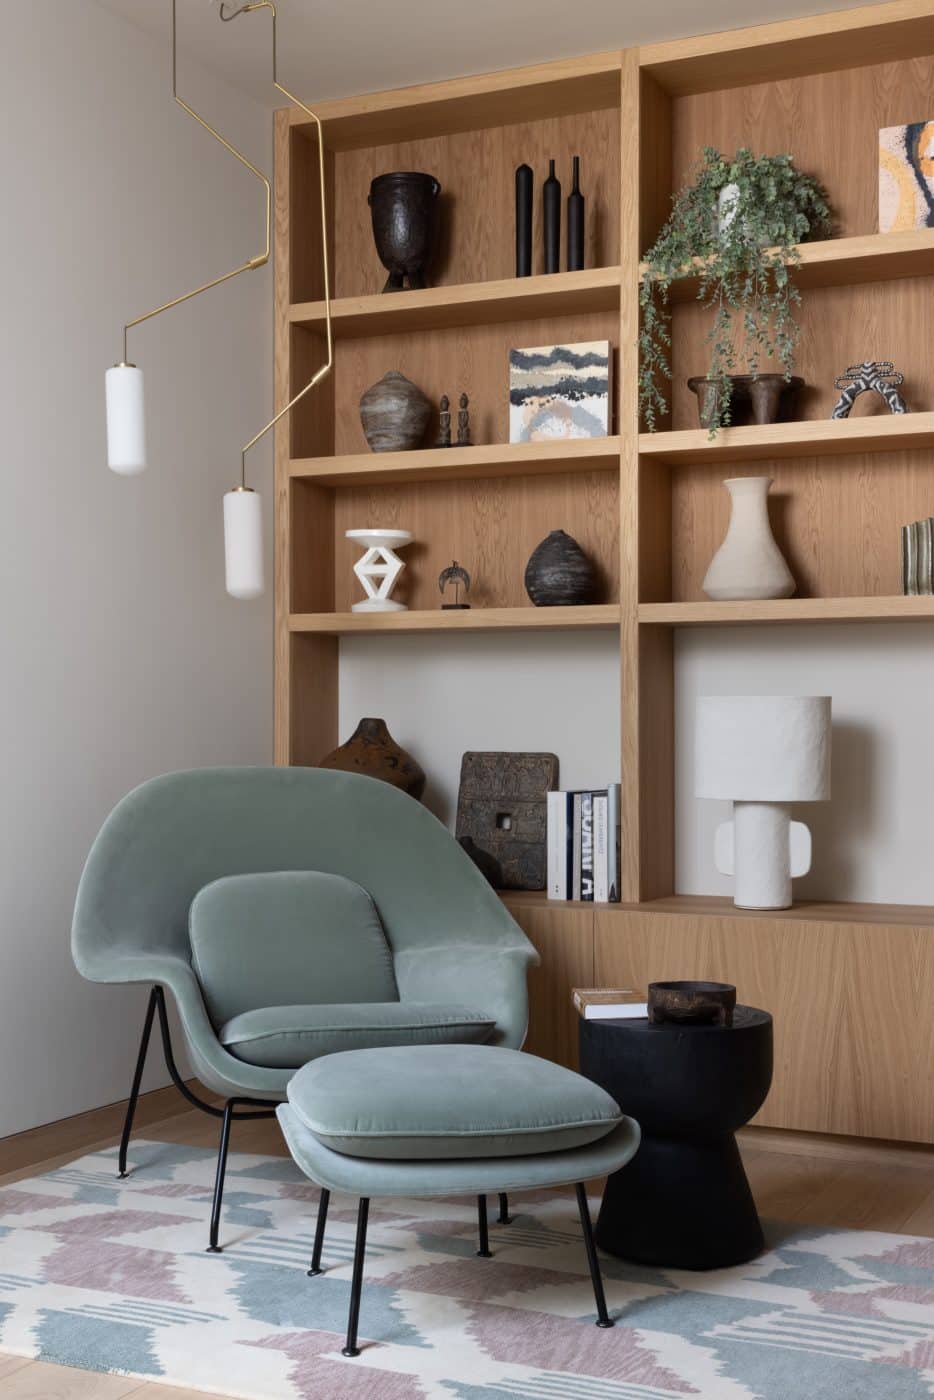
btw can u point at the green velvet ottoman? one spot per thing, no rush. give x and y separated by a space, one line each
442 1120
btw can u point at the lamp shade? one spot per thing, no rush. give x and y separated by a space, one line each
126 421
243 543
763 748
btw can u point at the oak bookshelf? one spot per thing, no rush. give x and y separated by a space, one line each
648 508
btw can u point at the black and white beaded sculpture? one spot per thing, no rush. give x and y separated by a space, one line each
879 376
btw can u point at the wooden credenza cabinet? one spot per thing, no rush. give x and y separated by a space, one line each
852 997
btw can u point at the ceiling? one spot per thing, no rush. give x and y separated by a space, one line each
332 48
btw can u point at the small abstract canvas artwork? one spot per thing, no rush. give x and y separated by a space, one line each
559 391
906 177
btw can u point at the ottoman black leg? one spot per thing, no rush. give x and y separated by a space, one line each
603 1317
323 1202
484 1250
681 1203
504 1217
356 1285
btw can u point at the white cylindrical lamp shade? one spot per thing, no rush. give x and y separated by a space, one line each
126 420
243 543
763 748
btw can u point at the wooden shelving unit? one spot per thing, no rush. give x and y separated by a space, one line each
460 464
846 982
807 439
474 304
787 610
847 262
476 620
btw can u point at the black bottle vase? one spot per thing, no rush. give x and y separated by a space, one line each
576 222
524 221
551 219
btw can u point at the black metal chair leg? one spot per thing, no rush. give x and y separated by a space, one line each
323 1203
504 1218
214 1247
484 1250
137 1080
603 1317
356 1286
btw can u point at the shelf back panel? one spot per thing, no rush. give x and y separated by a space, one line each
489 527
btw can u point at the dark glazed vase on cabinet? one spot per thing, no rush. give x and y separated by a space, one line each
372 751
559 574
404 207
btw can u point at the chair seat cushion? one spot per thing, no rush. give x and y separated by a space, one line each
286 1037
448 1101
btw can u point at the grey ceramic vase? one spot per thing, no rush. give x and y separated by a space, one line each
559 574
394 413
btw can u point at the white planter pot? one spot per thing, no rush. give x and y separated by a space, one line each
748 564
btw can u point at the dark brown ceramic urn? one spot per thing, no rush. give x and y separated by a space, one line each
404 206
372 751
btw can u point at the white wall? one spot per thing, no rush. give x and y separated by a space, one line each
873 840
122 657
555 693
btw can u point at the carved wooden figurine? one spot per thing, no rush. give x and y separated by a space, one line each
444 422
463 423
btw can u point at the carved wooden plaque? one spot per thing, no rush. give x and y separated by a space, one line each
502 815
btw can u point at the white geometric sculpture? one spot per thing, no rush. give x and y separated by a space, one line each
379 568
763 752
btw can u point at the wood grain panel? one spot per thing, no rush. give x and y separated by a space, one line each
836 519
282 442
850 1002
765 52
564 940
783 611
475 361
313 700
476 169
829 122
490 527
861 432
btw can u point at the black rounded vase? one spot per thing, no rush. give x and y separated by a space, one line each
559 574
404 206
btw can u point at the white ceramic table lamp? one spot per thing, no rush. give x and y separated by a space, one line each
763 752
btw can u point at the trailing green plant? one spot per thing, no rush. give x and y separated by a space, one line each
741 255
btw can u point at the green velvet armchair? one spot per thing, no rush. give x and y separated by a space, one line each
290 913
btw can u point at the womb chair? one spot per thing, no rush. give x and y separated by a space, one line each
293 912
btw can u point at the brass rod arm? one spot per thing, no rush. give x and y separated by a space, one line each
328 365
261 258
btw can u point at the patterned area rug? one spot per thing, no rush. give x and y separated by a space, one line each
114 1277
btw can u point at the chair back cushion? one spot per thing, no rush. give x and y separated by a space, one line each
287 937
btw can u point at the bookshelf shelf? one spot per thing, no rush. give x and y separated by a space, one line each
890 432
470 304
474 620
461 463
787 610
846 262
690 906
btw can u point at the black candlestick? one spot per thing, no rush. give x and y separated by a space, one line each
524 221
576 222
551 212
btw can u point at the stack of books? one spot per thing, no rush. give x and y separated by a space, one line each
918 557
610 1004
583 845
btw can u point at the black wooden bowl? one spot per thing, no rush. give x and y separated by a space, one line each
692 1002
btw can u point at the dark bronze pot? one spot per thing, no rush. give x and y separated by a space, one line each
559 573
372 751
692 1003
404 206
756 398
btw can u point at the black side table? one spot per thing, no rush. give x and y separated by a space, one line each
683 1201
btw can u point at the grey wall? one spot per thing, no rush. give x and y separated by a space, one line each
122 657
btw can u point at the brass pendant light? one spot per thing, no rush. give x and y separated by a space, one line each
126 447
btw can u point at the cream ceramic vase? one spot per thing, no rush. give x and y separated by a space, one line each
748 564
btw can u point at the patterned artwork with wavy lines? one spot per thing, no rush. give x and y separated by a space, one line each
113 1276
906 177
